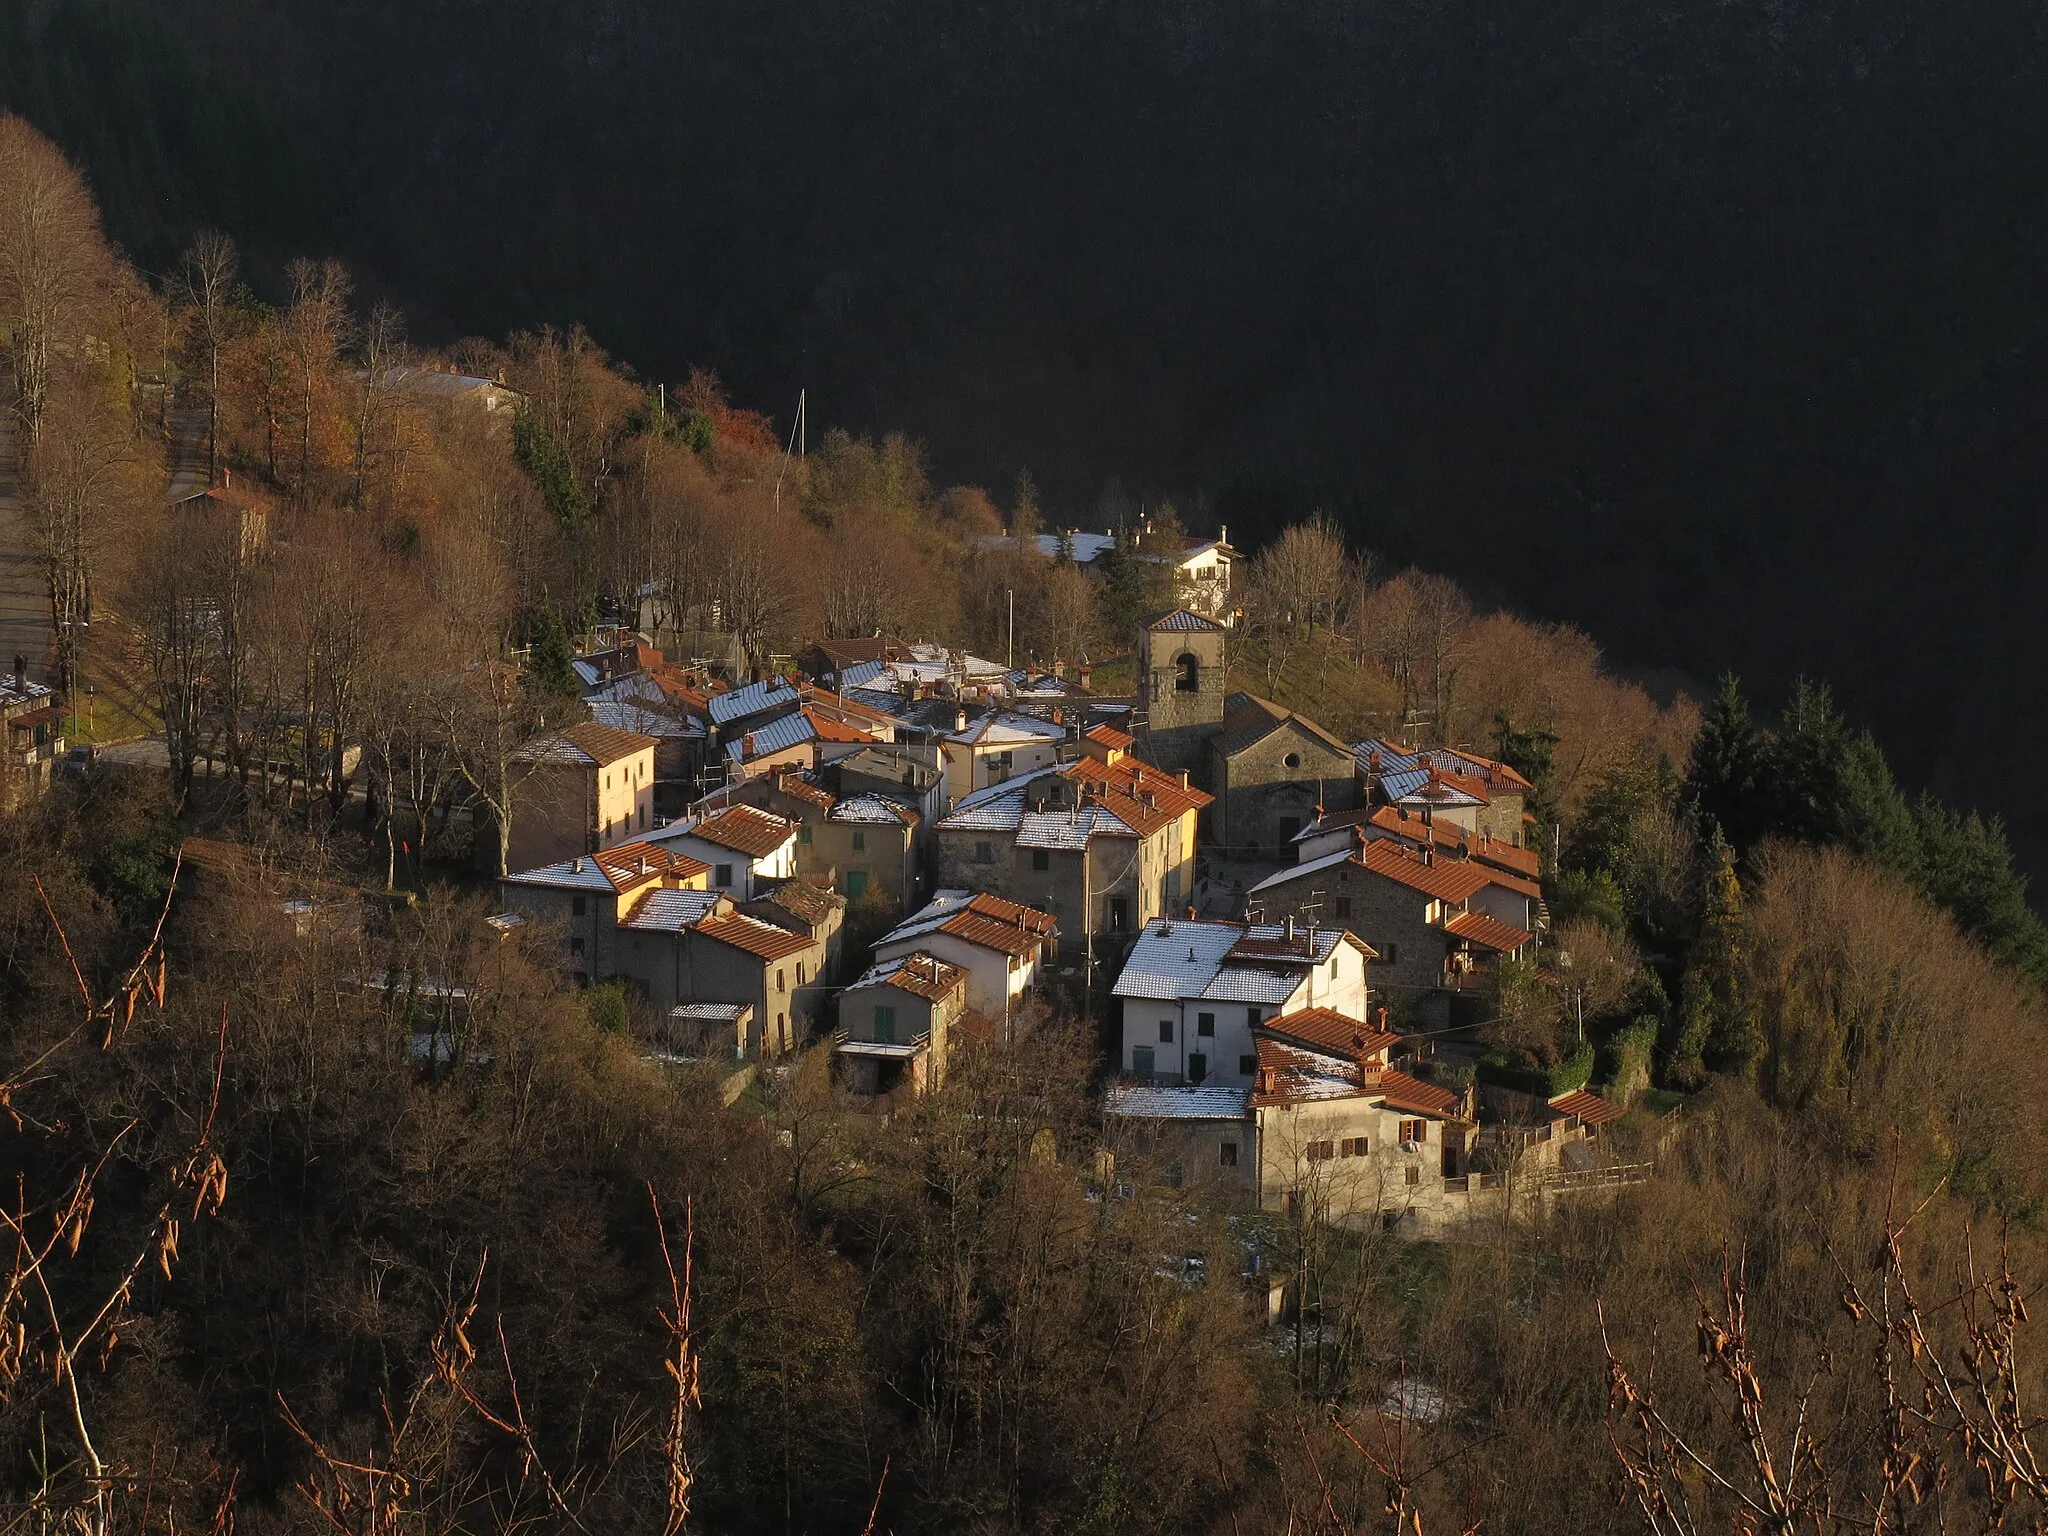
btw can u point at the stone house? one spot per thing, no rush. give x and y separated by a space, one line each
816 911
693 947
1102 847
581 789
1328 1129
1194 993
705 1031
859 842
896 1023
1512 893
1002 947
1480 794
31 734
747 848
588 897
1273 772
1414 909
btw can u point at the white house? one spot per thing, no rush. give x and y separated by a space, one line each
997 747
1194 991
748 849
999 944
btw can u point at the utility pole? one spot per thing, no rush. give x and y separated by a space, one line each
1010 653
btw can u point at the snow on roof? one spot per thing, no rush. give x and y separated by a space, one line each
629 714
1176 959
1143 1102
770 693
724 1012
1086 547
776 736
1002 728
873 809
672 911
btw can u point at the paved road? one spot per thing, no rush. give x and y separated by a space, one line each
185 456
24 601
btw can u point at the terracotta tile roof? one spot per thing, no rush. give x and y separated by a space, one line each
793 783
1444 879
1109 736
813 903
1028 918
1329 1030
1410 827
632 862
1404 1092
586 743
744 829
1138 779
850 712
764 941
1289 1074
1589 1108
919 974
989 934
829 725
1487 932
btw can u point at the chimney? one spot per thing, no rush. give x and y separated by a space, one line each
20 672
579 863
1223 533
1290 927
227 478
959 721
747 745
1269 1080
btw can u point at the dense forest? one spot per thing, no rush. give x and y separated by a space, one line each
1716 330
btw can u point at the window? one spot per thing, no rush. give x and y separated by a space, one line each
1292 759
607 829
1119 914
607 781
1414 1174
1187 673
1415 1130
1166 1031
1198 1067
1251 1018
860 841
1351 1146
1341 906
885 1023
1041 859
1290 828
799 973
803 835
856 884
1390 954
721 876
1227 1154
1205 1024
575 946
1247 1066
779 985
984 853
1320 1151
577 905
643 818
1141 1061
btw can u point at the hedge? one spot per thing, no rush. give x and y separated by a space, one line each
1545 1082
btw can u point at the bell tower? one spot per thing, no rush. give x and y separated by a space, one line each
1180 688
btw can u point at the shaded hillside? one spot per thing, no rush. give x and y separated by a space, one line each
1693 324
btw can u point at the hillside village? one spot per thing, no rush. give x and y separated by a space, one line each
897 1006
1285 941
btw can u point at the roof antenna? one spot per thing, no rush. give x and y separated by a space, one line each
796 440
